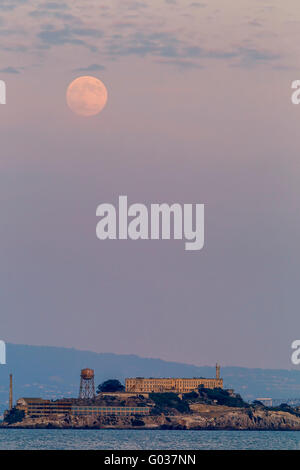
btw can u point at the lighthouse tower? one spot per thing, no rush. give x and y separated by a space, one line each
218 368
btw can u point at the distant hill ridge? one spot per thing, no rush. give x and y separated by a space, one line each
53 372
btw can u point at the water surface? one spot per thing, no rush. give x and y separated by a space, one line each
112 439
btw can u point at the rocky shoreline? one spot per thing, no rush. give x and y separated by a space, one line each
205 417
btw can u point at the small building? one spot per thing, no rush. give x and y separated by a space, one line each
265 401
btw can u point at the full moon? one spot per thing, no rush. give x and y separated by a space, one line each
86 96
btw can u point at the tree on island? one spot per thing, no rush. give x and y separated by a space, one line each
111 385
14 416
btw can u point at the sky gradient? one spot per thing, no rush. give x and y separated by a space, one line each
198 111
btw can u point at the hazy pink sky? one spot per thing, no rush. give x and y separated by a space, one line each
199 110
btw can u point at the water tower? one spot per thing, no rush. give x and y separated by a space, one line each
87 384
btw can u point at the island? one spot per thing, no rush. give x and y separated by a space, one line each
202 409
